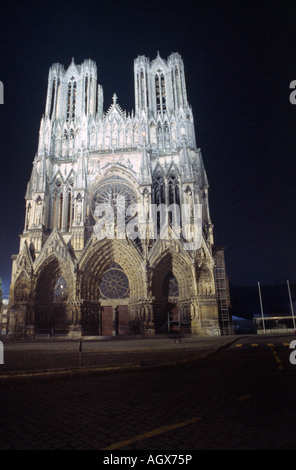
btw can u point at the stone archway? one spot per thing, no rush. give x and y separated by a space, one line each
114 296
112 277
52 292
20 312
172 288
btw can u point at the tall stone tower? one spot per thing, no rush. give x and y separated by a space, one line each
118 237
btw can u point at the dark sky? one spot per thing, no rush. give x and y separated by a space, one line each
239 57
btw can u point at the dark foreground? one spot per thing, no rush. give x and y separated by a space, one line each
240 397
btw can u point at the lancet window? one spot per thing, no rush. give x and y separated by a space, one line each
85 94
69 207
52 97
174 193
160 92
170 286
57 210
178 91
159 190
71 99
60 292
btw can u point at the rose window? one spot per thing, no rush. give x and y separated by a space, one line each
114 283
118 195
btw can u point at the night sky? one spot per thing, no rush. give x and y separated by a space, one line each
239 58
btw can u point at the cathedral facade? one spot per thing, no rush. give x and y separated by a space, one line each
118 237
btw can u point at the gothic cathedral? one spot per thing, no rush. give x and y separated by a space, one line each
107 248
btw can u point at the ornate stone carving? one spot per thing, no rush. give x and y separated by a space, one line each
87 157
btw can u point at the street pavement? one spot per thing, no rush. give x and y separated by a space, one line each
239 396
60 357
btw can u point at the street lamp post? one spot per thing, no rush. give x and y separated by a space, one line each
292 310
261 306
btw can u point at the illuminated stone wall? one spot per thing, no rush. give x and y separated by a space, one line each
87 157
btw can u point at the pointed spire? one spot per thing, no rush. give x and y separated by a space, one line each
145 167
204 178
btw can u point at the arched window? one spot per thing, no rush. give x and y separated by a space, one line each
173 88
157 92
74 100
28 218
60 292
52 97
86 94
163 97
142 89
170 286
159 197
60 211
160 92
70 207
71 99
57 206
179 86
159 190
174 192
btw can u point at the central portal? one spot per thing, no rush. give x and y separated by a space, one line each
114 294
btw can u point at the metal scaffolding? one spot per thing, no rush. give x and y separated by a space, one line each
222 293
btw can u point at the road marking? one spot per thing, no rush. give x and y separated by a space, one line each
238 345
152 433
254 344
243 397
277 359
275 354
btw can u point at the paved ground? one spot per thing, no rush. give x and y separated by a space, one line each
45 357
241 397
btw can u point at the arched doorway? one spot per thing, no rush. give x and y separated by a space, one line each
114 293
60 297
112 279
171 296
20 315
172 286
51 296
166 311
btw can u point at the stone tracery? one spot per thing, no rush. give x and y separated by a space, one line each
81 282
